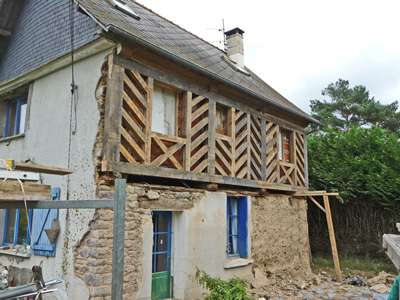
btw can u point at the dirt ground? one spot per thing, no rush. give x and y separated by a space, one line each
301 284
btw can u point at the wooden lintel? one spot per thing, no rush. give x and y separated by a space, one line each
12 191
19 166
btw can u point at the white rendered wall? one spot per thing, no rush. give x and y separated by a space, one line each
46 142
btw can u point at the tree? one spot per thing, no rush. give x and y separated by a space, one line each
362 164
353 107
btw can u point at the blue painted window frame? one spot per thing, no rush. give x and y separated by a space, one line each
17 130
241 231
168 252
16 226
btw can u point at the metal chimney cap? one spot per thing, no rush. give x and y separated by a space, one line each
233 31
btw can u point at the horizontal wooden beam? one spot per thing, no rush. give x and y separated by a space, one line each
71 204
15 186
146 170
19 166
314 194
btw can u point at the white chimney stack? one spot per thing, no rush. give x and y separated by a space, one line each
234 41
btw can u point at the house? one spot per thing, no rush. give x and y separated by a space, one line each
211 153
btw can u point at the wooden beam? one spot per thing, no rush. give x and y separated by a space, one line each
19 166
314 194
212 127
113 114
187 124
15 186
317 204
332 238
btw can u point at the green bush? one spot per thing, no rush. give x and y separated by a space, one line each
233 289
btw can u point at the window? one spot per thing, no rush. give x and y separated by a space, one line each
167 115
237 227
16 230
16 115
285 146
222 120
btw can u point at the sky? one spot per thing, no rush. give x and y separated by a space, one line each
299 47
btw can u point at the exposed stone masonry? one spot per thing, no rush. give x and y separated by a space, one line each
93 257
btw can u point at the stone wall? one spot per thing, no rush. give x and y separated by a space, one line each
93 257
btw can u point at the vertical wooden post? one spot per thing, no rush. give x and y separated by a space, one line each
187 125
332 238
112 114
248 150
117 277
263 149
305 160
212 127
149 115
232 134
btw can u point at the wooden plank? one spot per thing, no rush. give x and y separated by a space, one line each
310 193
149 117
243 147
224 161
168 154
28 187
133 126
199 126
112 114
241 125
212 128
201 110
238 115
224 148
199 154
332 238
223 137
241 137
127 155
139 79
135 110
197 100
231 122
242 173
134 146
187 124
135 91
240 162
27 167
201 138
169 138
200 167
220 169
11 196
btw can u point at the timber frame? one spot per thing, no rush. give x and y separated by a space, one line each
246 155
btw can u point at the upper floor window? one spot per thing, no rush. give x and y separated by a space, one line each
222 120
16 115
167 112
285 146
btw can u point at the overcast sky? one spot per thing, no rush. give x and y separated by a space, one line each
299 47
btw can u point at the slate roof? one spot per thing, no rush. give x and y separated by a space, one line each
178 42
40 35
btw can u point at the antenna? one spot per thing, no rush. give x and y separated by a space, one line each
223 35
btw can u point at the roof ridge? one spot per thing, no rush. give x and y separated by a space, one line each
162 17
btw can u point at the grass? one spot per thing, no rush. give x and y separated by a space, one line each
353 265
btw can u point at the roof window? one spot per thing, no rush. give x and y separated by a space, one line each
122 6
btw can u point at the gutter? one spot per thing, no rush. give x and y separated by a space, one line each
191 65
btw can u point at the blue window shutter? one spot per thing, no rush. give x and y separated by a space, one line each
242 208
42 219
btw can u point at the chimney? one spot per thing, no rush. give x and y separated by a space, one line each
234 41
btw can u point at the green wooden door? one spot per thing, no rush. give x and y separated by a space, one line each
160 286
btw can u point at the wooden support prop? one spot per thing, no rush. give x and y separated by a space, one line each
332 238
